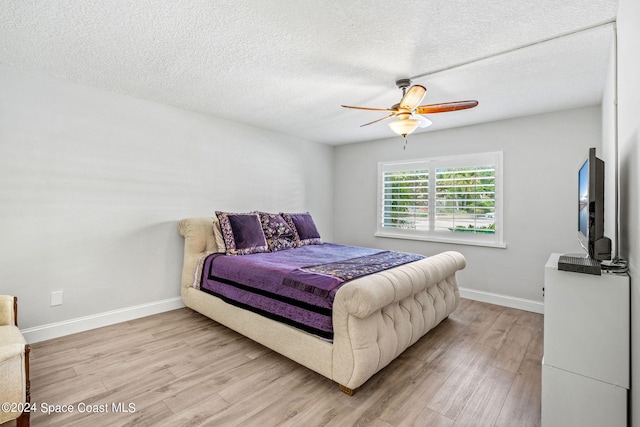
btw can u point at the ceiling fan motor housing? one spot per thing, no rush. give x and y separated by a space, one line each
403 84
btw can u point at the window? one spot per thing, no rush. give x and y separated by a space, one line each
454 199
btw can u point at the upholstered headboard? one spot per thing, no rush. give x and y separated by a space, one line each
198 240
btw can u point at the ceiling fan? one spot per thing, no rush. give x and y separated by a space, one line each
408 111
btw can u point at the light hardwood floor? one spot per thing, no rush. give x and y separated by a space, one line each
480 367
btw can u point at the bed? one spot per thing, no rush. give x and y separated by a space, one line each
374 318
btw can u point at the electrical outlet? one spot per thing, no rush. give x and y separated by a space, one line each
56 298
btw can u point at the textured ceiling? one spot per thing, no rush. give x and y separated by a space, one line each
287 65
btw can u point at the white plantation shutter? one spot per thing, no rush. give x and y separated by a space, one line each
455 199
465 199
406 199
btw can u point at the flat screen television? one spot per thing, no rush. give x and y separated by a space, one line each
591 208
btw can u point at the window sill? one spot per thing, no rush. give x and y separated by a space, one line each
439 239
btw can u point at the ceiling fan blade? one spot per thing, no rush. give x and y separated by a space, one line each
413 97
445 107
379 120
367 108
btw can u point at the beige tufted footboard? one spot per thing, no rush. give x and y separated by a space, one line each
375 318
378 317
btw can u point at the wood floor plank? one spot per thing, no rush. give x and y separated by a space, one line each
496 335
523 403
513 349
426 417
482 364
477 326
426 381
305 384
462 383
251 402
485 403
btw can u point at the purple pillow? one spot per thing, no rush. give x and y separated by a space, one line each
304 229
278 233
242 233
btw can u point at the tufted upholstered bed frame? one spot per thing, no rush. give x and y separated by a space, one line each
375 318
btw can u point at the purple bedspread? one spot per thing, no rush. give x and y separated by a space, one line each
294 286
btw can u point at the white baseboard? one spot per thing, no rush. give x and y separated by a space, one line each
81 324
503 300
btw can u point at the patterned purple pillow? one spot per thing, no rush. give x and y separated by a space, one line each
242 233
304 229
278 233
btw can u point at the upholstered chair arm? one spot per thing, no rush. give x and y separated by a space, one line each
7 310
7 353
13 378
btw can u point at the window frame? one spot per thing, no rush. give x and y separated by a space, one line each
431 164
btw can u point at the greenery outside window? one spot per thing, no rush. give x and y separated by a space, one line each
455 199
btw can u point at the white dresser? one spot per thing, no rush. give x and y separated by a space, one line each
585 368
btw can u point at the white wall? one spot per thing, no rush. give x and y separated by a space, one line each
629 160
92 185
608 152
542 155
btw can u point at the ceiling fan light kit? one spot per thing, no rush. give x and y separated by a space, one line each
408 111
404 126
